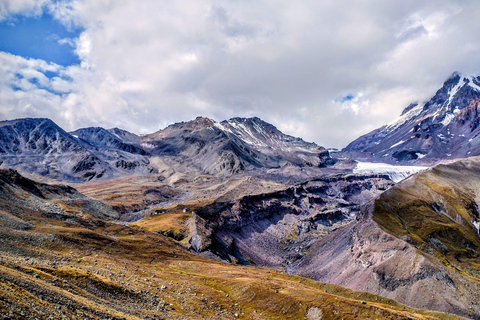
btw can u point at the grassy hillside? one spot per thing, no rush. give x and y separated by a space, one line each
437 211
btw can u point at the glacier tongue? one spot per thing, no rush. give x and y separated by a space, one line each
396 173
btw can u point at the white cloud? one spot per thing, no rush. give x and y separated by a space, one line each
148 63
8 8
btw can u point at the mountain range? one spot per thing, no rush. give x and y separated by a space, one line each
39 146
235 219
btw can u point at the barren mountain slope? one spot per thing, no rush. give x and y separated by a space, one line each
322 229
200 146
232 146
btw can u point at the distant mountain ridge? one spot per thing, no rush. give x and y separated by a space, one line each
444 127
39 146
99 137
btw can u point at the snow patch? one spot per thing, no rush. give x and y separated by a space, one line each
245 133
397 144
435 115
455 89
473 85
148 145
395 173
477 226
448 118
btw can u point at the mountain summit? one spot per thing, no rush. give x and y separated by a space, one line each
232 146
445 127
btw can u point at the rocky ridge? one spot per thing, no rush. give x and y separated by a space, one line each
232 146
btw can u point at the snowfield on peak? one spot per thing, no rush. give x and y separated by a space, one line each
404 118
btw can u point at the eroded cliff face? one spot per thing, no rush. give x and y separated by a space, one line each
417 243
276 229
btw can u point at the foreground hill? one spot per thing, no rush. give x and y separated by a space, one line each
71 262
445 127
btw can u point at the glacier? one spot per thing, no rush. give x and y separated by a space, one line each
395 173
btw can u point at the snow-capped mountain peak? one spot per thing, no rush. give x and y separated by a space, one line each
261 134
428 132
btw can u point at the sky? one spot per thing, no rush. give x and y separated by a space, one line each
327 71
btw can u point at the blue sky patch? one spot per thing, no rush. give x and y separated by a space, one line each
39 38
347 98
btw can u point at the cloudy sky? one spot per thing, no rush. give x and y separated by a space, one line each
327 71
